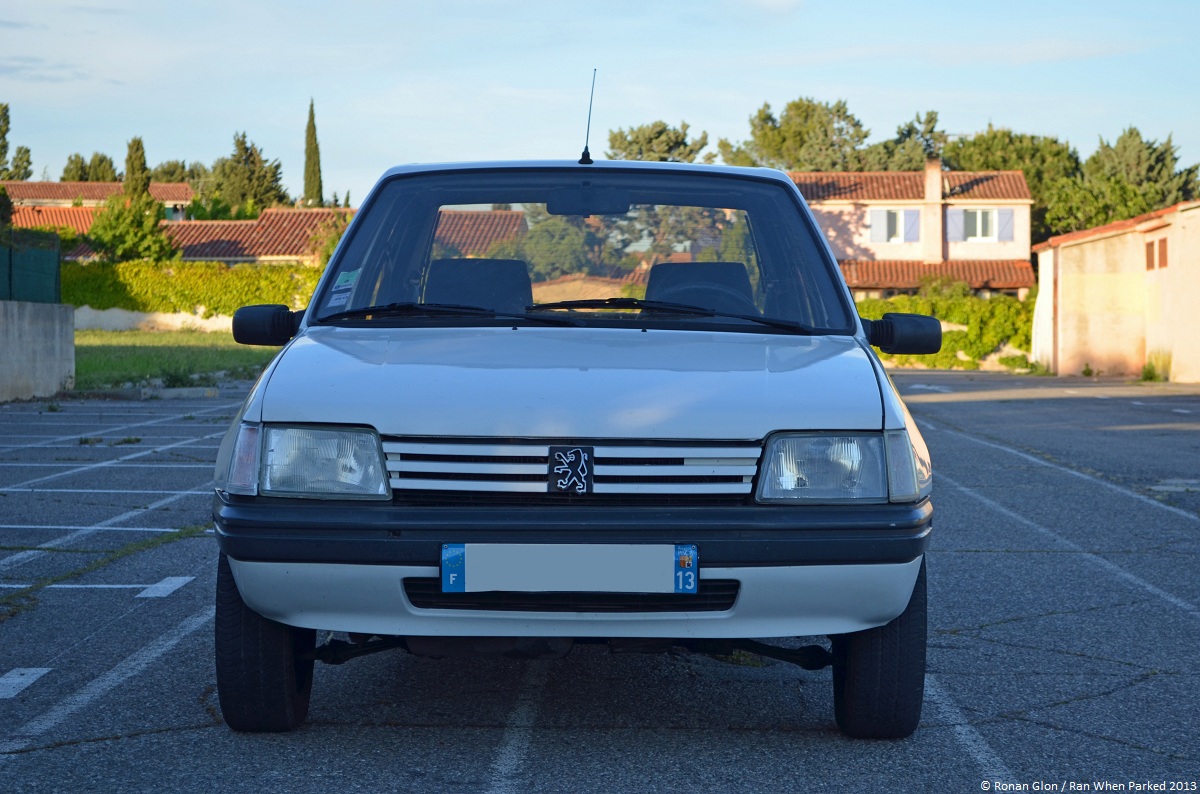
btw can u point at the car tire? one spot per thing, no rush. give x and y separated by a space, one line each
879 674
264 668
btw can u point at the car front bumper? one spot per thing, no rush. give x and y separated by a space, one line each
798 571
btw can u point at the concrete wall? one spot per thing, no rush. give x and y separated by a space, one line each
37 349
1100 307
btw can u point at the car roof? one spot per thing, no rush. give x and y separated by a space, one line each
769 174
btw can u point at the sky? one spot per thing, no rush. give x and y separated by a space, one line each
454 80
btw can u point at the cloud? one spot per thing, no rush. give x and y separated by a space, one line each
39 70
8 23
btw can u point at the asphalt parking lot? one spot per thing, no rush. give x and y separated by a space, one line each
1064 609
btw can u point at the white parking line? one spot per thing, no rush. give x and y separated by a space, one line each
115 465
1111 567
12 682
132 665
94 528
990 765
156 590
114 461
158 492
518 731
121 428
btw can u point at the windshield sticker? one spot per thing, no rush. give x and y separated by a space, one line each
342 288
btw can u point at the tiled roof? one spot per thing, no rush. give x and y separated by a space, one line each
278 232
473 233
66 192
897 274
1112 228
819 186
77 218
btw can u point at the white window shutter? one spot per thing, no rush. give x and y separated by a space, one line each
912 226
1004 225
954 225
878 220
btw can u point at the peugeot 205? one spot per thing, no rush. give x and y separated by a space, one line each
537 404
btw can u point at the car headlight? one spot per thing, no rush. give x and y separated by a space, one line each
308 462
844 467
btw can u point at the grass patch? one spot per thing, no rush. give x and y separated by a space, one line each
182 358
26 598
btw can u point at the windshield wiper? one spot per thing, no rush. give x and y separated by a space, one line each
673 308
435 310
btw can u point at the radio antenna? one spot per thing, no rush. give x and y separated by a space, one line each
586 159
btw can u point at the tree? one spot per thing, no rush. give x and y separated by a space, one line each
1148 166
657 142
21 167
1122 180
314 195
915 142
327 235
808 136
76 169
128 228
1044 161
246 181
6 207
137 175
170 171
101 168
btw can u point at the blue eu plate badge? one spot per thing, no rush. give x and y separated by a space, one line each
454 568
687 569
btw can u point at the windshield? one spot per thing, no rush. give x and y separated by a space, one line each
676 250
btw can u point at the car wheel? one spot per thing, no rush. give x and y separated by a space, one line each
879 674
263 678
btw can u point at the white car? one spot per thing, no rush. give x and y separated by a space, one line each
533 404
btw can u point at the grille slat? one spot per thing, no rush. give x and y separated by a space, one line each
639 470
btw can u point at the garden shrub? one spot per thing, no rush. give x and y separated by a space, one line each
990 323
201 288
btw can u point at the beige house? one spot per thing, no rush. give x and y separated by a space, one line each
1117 297
890 230
174 196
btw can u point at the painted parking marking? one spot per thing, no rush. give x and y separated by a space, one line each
1180 411
121 428
157 590
33 554
94 528
12 682
157 492
127 668
108 463
116 465
930 387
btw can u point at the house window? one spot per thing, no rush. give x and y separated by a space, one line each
1156 253
895 226
979 224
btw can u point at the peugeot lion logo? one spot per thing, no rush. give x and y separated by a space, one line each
571 470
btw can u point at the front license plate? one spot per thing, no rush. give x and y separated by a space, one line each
570 568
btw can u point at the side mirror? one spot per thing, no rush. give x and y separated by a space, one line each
911 334
272 324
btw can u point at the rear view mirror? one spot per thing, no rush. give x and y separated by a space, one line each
910 334
271 324
588 201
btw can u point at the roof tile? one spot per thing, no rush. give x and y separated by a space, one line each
473 233
77 218
819 186
897 274
66 192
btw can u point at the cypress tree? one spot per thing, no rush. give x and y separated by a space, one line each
137 174
313 192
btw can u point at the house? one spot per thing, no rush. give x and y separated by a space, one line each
279 235
1117 297
892 230
175 196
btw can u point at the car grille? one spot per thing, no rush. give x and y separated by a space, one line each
452 469
712 595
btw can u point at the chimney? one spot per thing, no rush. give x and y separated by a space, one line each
933 214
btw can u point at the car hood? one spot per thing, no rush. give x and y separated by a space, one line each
573 383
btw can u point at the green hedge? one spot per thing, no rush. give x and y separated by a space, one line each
991 322
185 287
